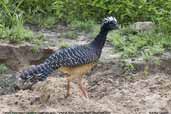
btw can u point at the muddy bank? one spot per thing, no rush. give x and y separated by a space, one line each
19 56
109 88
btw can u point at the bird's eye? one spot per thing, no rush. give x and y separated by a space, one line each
112 23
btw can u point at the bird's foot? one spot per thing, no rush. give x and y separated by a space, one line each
67 95
84 93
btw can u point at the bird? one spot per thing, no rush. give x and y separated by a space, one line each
76 61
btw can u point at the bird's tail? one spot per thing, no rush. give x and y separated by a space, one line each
34 74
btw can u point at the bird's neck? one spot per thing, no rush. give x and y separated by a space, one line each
100 39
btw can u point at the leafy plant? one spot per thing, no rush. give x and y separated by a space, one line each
3 68
63 44
77 28
46 13
12 28
144 44
80 26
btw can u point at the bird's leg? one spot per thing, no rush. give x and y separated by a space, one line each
69 79
83 90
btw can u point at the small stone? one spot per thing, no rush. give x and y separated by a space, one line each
16 102
143 26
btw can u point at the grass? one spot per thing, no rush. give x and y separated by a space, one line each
63 44
70 34
89 29
140 44
95 31
3 68
81 26
18 34
45 22
12 24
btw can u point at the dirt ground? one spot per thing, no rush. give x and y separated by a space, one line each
110 91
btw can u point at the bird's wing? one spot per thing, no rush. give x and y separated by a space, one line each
66 57
73 56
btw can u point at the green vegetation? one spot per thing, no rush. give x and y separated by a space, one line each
11 23
16 34
46 13
82 16
140 44
70 34
80 26
89 28
63 44
3 68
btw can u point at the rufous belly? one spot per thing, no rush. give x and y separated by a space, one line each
77 70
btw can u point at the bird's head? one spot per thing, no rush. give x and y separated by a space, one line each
109 23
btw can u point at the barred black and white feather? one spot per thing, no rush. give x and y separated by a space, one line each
73 56
66 57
